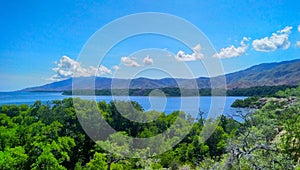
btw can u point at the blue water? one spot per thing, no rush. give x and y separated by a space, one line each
189 105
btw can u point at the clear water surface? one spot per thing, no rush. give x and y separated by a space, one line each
161 104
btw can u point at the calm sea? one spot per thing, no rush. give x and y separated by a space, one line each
212 105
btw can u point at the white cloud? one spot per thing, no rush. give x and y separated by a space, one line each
233 51
196 55
298 42
276 41
115 67
286 30
129 62
100 71
67 67
148 61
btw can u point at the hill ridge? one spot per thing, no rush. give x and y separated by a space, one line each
265 74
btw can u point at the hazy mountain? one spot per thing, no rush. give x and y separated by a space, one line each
281 73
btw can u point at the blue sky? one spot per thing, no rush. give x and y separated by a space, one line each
35 36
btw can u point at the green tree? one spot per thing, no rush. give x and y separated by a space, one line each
98 162
13 158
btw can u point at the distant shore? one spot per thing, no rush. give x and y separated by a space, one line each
177 92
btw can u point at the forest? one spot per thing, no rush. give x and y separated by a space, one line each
50 136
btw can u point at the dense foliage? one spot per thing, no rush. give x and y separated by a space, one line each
251 102
49 136
258 90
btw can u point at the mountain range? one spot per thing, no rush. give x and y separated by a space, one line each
266 74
